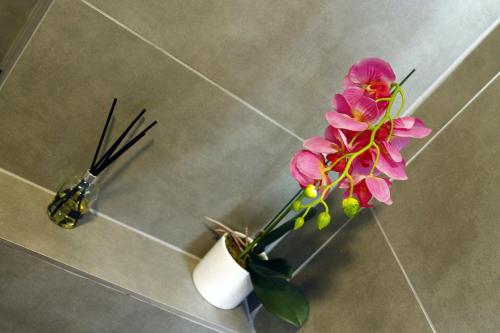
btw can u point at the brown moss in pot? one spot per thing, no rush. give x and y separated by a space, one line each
233 249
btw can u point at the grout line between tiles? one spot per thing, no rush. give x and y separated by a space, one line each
35 29
249 315
453 118
441 78
146 235
107 217
319 249
109 285
195 71
407 278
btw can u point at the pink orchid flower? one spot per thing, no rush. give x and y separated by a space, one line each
370 77
308 168
355 113
333 142
410 127
391 161
404 128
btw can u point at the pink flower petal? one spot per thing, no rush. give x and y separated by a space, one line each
394 170
296 174
393 151
399 143
319 145
341 105
344 183
410 127
415 132
310 165
300 178
379 188
336 136
360 171
340 120
364 109
371 70
352 91
404 122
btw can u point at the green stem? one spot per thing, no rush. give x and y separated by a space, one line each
376 159
407 77
351 184
274 222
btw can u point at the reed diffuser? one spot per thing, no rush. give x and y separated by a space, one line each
74 198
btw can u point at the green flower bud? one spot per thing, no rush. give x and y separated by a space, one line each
296 206
310 191
299 222
351 206
323 220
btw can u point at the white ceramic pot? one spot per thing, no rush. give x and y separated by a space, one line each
220 279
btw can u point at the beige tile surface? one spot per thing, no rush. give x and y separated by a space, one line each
444 225
109 253
289 57
38 297
354 285
208 155
13 16
462 84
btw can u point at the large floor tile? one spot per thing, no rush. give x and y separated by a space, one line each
110 253
289 57
480 66
208 155
38 297
354 285
13 16
444 224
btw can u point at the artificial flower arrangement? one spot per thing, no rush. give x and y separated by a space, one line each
359 152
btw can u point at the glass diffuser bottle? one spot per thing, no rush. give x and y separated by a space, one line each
73 200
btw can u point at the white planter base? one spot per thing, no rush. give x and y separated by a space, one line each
220 279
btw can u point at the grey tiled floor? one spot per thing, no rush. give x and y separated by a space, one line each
37 297
109 253
13 15
445 227
355 285
208 155
213 155
289 57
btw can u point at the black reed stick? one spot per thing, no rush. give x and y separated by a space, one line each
127 146
407 77
112 154
103 134
117 143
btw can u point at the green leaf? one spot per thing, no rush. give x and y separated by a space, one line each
273 268
282 299
281 231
